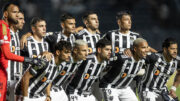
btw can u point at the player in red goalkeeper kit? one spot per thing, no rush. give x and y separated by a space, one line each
10 16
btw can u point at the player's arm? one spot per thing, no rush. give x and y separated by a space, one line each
51 39
78 29
5 48
23 40
175 85
48 89
152 50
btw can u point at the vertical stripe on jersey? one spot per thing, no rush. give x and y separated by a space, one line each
91 39
36 48
13 66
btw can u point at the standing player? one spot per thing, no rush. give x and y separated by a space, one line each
68 29
115 84
79 88
36 43
80 52
159 67
37 81
10 16
122 38
89 34
14 69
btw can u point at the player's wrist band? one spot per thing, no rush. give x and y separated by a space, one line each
49 97
173 88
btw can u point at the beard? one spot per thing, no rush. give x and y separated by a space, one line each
13 21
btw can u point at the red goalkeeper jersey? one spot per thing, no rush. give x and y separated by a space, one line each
5 53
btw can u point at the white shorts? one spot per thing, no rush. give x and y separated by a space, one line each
81 97
59 95
113 94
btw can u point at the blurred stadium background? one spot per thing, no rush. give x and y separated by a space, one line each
155 20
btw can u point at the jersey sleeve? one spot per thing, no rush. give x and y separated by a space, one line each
51 39
5 48
4 34
77 36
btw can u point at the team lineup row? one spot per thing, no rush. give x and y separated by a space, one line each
66 65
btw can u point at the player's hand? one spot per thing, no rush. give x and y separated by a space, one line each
47 55
172 93
23 40
79 29
128 52
48 98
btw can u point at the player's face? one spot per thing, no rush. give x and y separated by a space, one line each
40 29
65 55
105 52
82 52
125 22
93 22
172 50
21 21
12 14
69 25
142 49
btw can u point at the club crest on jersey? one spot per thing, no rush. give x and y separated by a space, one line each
63 72
124 75
90 50
157 72
13 49
116 49
44 79
86 76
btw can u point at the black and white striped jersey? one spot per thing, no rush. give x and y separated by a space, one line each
121 41
88 71
90 38
55 37
42 79
122 72
14 70
158 72
68 69
33 49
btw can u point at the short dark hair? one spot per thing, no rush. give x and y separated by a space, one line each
6 6
62 45
35 20
167 42
120 14
66 16
21 11
102 43
86 14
